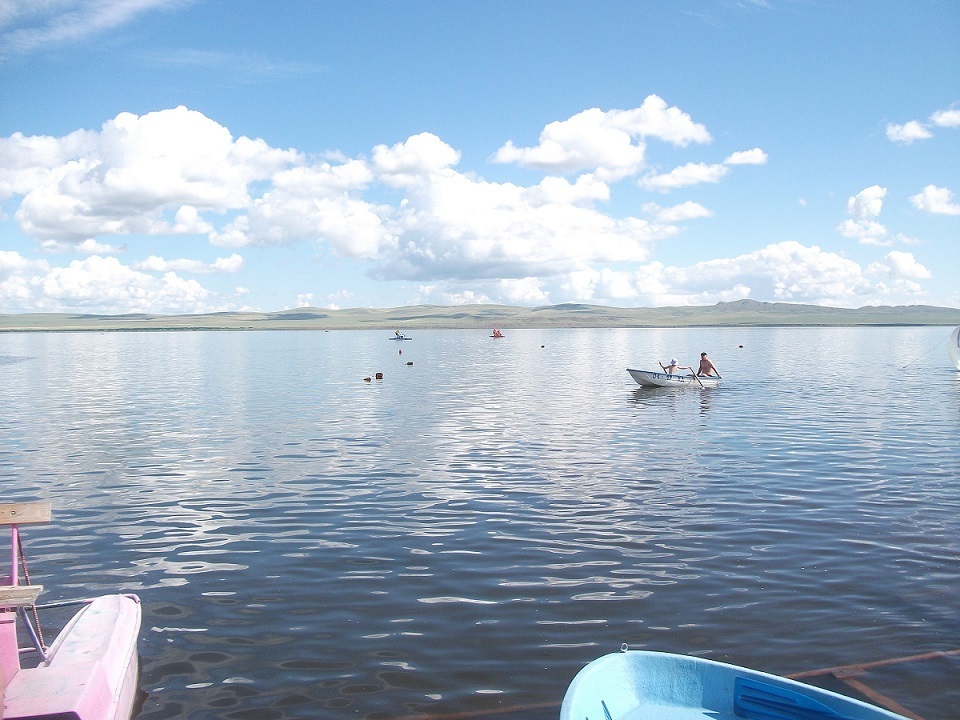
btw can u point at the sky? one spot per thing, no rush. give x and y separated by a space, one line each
193 156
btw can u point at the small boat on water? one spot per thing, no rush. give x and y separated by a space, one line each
497 334
643 685
401 336
651 378
90 671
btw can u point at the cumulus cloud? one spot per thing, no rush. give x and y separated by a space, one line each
523 291
786 271
908 133
405 211
611 144
914 130
898 275
96 284
407 162
936 200
447 223
899 266
152 174
321 202
862 209
946 118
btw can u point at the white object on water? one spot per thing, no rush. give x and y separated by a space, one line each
649 378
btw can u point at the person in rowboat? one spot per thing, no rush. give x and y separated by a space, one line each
706 367
672 368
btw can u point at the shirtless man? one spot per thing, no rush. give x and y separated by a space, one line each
706 367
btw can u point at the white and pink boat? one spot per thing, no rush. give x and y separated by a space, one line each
90 671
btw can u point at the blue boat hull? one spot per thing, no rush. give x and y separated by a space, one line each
636 684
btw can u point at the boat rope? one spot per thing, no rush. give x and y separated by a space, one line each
924 354
26 576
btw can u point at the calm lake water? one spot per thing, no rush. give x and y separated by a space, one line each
459 538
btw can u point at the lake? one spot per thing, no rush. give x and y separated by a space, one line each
458 538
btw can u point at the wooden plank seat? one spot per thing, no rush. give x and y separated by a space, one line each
33 513
19 595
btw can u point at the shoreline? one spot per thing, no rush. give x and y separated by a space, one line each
742 313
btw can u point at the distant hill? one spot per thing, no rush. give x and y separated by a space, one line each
741 313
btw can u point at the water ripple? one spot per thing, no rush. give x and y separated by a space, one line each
463 535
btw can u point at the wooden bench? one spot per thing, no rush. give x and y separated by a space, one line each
34 513
19 595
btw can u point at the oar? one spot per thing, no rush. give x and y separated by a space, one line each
696 376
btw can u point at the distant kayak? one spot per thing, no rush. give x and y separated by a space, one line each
649 378
640 684
401 337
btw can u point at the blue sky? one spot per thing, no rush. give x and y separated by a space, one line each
181 156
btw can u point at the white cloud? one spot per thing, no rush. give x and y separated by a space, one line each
94 284
458 225
611 144
319 203
786 271
696 173
406 212
909 132
897 276
867 203
33 25
447 223
523 291
684 176
937 200
747 157
407 162
899 266
946 118
87 247
20 280
150 174
914 130
406 207
559 191
688 210
862 209
157 264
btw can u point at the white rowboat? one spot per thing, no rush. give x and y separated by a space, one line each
649 378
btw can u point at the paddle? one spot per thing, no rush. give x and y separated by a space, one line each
694 373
